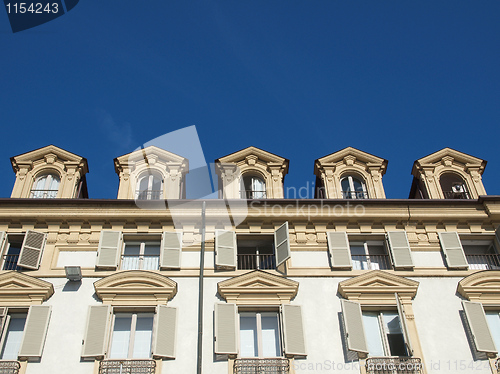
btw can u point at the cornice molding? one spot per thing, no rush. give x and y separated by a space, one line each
19 289
483 287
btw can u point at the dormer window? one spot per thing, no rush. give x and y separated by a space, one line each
253 187
46 187
453 187
149 187
353 188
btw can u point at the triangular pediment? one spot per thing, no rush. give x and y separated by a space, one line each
151 155
24 288
353 153
452 155
377 282
258 286
483 286
264 156
49 155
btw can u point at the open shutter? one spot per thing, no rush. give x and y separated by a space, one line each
3 237
453 251
404 326
497 235
109 250
225 249
400 249
226 329
3 315
479 327
353 325
282 244
35 331
31 250
293 330
96 332
171 248
165 332
340 252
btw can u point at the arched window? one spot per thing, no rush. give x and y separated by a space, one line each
149 187
353 188
253 187
453 187
45 187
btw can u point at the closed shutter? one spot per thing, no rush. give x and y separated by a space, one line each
453 251
479 327
282 244
225 249
226 329
353 325
404 326
96 332
165 332
293 330
400 249
340 252
31 250
109 250
171 248
35 331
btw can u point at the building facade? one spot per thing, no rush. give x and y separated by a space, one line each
348 281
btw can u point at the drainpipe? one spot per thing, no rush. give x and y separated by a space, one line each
200 293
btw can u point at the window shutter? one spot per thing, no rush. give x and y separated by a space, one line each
3 315
497 235
404 326
3 237
109 250
35 331
165 332
340 252
282 244
353 325
96 332
293 329
171 248
400 249
225 249
479 327
31 250
226 330
453 251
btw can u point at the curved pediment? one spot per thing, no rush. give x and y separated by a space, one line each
135 287
483 286
377 287
258 288
20 289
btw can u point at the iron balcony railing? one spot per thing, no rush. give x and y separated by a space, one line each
9 367
483 262
252 194
393 365
10 263
127 367
149 195
354 195
371 262
456 195
261 366
497 363
256 261
43 194
134 262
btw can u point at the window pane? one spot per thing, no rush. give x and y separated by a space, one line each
248 335
373 335
494 325
14 336
131 257
270 335
121 337
143 336
359 260
357 184
394 334
345 185
156 184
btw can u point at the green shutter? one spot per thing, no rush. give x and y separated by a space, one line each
32 249
226 331
171 249
165 332
96 332
109 250
453 251
282 244
35 331
479 327
400 249
340 252
353 325
225 249
293 330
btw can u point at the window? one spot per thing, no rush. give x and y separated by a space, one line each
384 335
481 254
353 188
21 252
369 255
45 187
132 335
14 328
453 187
260 334
150 187
253 187
150 252
246 252
493 319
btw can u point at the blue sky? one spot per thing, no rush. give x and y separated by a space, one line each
301 79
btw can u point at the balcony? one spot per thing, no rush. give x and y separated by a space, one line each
497 363
483 262
142 262
393 365
149 195
126 367
261 366
10 263
43 194
252 194
256 261
9 367
456 195
371 262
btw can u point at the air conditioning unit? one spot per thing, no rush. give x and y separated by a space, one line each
458 188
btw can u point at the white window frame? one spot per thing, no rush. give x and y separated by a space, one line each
366 245
257 254
5 327
46 192
142 247
258 315
255 194
383 331
352 191
151 177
